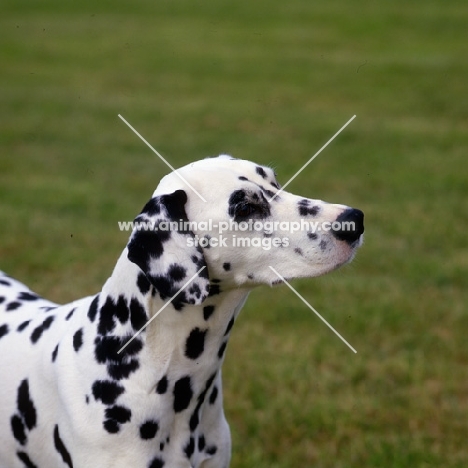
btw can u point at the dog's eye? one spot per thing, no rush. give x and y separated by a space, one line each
245 209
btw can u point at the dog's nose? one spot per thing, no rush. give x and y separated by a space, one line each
349 225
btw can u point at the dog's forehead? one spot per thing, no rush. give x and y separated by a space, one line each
223 173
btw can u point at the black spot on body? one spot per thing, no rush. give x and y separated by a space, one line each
18 429
243 178
107 347
5 282
214 290
201 443
12 306
138 316
111 426
109 312
226 266
182 394
222 349
211 450
70 314
26 406
122 370
312 235
3 330
38 331
208 311
195 344
143 284
78 340
27 296
54 353
190 447
214 395
323 244
148 430
118 413
61 449
161 386
26 460
2 299
156 463
93 308
229 326
107 391
23 325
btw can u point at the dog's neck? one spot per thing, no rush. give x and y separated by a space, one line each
190 341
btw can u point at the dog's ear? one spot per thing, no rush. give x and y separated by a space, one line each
166 251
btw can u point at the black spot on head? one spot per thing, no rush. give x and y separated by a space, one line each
107 391
18 429
299 251
156 463
12 306
226 266
261 172
161 386
312 235
93 309
61 449
26 460
69 315
26 406
305 209
3 330
143 284
208 311
182 394
54 353
189 447
78 340
177 272
149 429
243 178
323 244
195 344
250 276
27 296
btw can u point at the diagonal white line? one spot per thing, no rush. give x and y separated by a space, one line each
312 158
312 309
159 155
160 310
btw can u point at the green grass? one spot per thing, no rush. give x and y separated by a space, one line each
267 81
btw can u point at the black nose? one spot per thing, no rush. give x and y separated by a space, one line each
349 225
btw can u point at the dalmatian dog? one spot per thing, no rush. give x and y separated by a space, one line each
70 396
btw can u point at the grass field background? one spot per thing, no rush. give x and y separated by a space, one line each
267 81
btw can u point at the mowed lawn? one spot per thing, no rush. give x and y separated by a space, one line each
267 81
